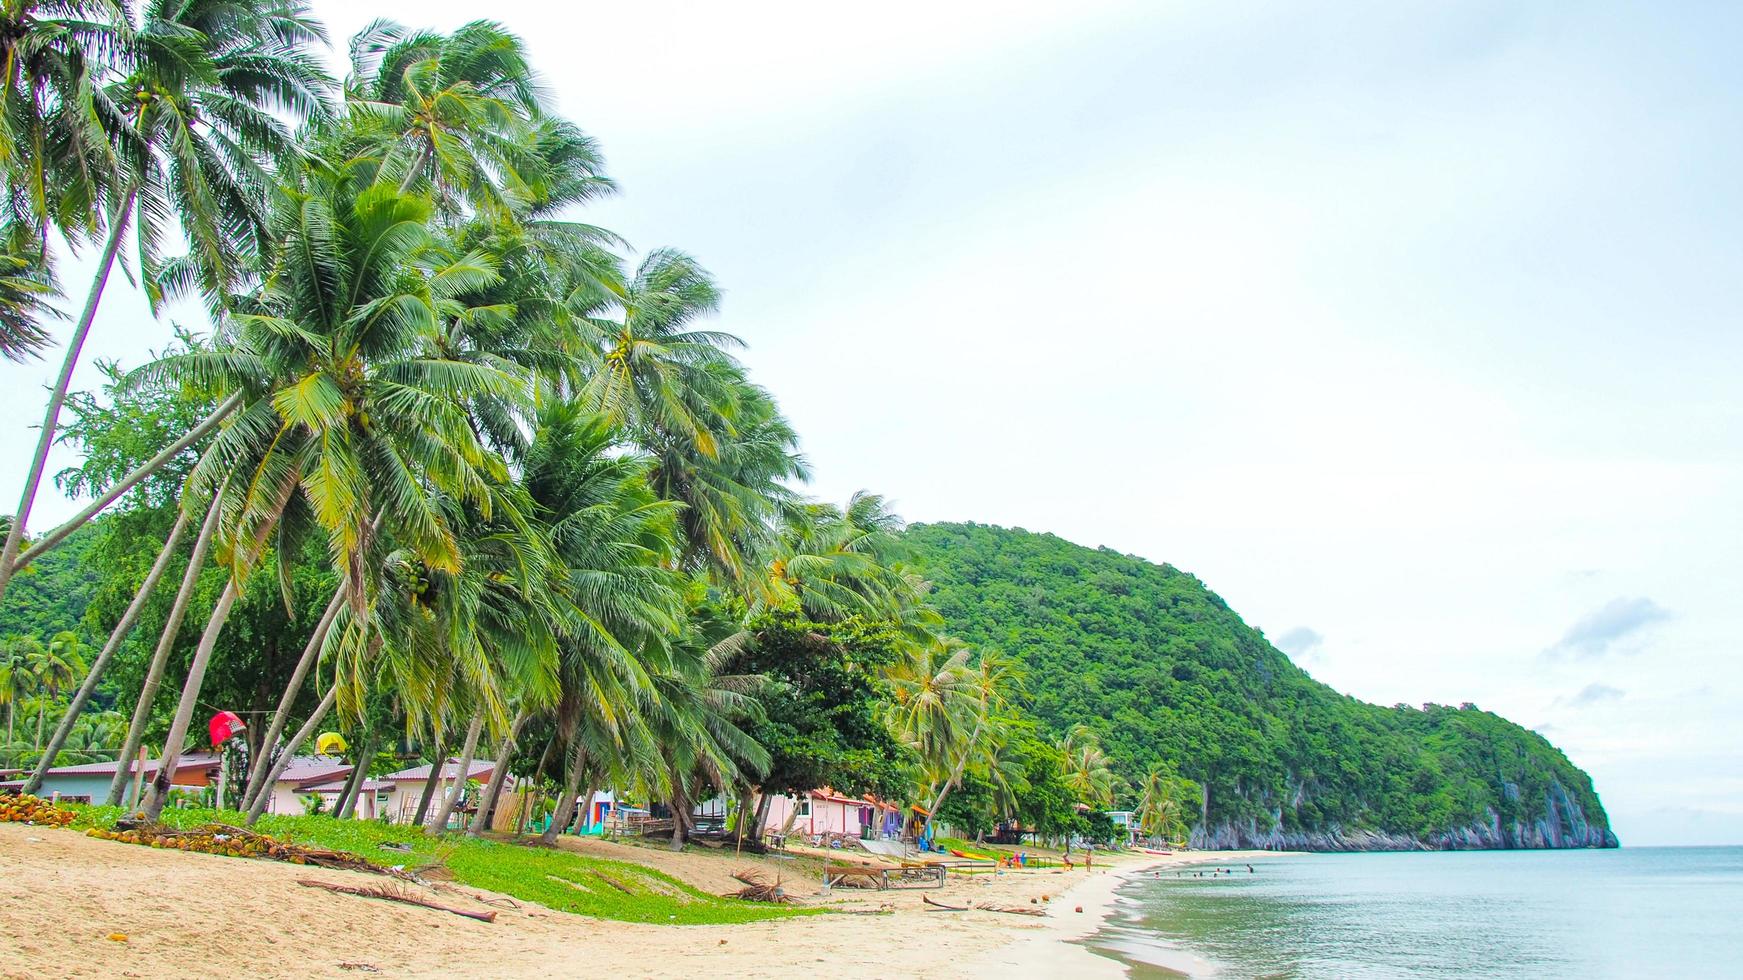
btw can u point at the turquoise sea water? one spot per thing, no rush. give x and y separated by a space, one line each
1633 912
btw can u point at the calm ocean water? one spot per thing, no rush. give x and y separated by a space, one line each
1633 912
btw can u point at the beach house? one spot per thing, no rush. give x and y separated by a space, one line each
826 813
401 802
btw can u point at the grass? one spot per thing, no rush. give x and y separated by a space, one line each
553 878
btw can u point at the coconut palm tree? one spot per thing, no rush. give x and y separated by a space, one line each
195 119
54 667
356 422
56 156
27 291
18 659
453 113
1088 769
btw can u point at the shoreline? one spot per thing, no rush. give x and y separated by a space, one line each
1060 951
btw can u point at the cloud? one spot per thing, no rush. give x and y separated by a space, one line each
1301 643
1591 694
1595 632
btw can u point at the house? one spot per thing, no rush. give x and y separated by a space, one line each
89 782
409 786
306 774
825 812
1126 823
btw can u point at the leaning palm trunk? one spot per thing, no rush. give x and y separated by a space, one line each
57 398
184 716
165 643
311 652
348 792
126 483
100 664
431 781
504 755
458 788
347 806
954 778
537 784
571 785
178 731
261 800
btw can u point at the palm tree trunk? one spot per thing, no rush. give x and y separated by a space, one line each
100 664
261 800
430 783
281 717
455 791
371 745
126 483
955 777
184 716
538 781
504 755
680 811
571 786
165 643
41 713
348 791
57 398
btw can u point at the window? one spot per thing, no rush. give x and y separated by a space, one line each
805 807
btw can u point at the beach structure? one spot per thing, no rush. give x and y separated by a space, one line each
303 775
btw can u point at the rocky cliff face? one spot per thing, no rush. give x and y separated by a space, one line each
1563 824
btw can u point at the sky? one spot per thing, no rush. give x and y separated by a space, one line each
1410 328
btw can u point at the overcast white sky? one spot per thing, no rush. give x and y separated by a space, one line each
1409 328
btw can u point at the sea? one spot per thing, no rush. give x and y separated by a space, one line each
1630 912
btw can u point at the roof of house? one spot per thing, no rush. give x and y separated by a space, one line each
479 769
338 785
303 768
193 760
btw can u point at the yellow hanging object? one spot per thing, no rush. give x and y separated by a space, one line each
330 743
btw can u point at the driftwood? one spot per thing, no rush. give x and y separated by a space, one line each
393 894
1009 909
930 904
613 883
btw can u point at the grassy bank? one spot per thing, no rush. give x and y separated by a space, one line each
556 879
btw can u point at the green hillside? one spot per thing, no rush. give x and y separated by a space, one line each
1169 675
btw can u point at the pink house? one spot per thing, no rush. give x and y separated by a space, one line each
824 811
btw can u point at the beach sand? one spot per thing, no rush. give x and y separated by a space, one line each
62 896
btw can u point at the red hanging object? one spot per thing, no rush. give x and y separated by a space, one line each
224 726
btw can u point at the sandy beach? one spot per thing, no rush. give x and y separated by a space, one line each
79 907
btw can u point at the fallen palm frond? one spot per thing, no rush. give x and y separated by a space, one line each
758 888
395 893
613 883
223 839
931 904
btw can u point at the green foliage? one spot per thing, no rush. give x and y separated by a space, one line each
823 714
554 878
1170 678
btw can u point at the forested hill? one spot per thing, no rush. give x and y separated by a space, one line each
1170 676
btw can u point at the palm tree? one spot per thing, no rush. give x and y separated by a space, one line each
196 122
357 425
1088 769
454 113
54 667
56 157
18 659
27 289
1162 805
991 682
